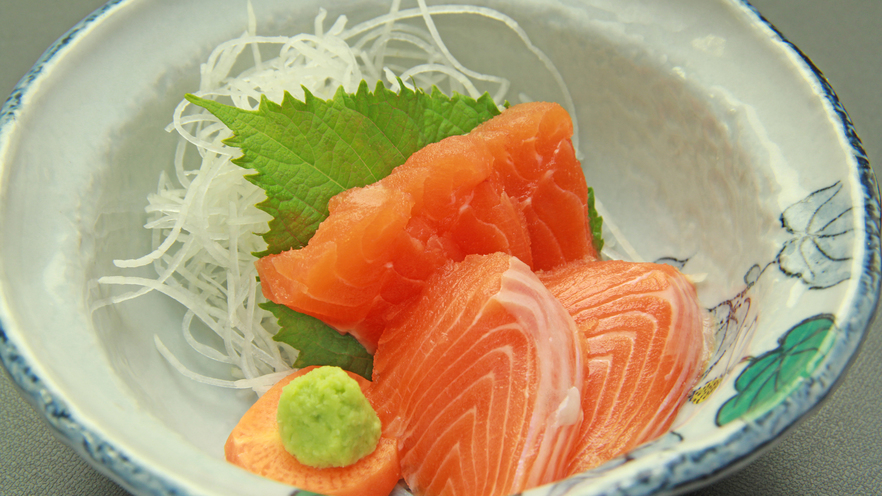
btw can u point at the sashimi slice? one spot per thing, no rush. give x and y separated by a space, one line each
536 164
450 199
480 381
641 331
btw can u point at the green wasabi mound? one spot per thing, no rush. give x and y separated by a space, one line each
325 420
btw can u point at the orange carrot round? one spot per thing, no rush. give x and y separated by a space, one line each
256 445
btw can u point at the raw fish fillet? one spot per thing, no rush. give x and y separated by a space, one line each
641 332
535 162
480 382
513 185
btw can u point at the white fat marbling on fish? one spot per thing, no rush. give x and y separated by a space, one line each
539 313
569 411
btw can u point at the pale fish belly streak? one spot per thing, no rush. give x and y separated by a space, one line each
557 406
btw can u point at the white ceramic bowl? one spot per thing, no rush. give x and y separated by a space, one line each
712 141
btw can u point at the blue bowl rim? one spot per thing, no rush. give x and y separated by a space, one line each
706 464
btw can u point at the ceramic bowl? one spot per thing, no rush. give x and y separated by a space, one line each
713 143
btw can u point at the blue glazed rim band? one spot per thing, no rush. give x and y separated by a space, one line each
678 473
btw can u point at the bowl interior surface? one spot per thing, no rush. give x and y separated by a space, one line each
709 142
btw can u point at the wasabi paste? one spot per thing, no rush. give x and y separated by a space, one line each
325 419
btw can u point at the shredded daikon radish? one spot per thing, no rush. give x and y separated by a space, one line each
204 220
613 238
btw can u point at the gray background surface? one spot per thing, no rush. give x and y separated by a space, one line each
838 450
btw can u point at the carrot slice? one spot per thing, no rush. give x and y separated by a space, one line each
256 445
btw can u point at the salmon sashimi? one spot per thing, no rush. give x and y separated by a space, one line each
513 185
536 164
479 381
641 332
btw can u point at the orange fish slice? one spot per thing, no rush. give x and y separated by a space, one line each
480 381
640 328
536 164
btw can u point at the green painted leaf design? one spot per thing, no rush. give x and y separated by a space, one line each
770 377
318 343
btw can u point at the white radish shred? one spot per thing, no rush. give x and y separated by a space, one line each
203 220
613 240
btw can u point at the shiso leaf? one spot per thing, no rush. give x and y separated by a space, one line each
595 221
306 152
319 344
